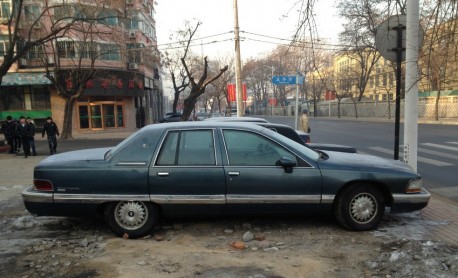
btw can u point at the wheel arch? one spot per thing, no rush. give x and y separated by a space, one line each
387 197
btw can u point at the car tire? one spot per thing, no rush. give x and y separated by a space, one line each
359 207
134 218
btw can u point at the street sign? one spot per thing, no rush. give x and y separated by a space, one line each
286 80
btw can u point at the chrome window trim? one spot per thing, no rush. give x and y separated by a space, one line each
272 199
262 135
131 164
186 129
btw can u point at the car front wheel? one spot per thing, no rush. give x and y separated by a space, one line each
359 207
134 218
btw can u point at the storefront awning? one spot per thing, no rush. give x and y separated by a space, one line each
18 79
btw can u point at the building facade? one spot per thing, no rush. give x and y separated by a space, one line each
125 92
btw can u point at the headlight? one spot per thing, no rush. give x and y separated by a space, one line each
414 186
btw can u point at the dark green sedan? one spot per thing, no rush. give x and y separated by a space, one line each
218 168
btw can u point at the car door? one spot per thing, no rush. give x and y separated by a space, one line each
257 183
187 176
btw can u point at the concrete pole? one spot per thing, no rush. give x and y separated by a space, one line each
296 109
411 99
272 106
238 63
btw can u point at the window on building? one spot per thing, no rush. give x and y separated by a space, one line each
109 52
5 10
64 12
88 50
384 77
108 18
12 98
4 44
66 49
40 98
133 23
36 52
32 13
377 80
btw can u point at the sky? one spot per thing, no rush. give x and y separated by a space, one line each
258 20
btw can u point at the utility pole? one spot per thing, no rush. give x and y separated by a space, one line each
238 63
411 86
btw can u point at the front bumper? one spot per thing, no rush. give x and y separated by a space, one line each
410 202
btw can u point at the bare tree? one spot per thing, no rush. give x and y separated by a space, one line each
440 49
77 58
221 83
362 20
26 28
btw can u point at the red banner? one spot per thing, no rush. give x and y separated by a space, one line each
231 92
273 101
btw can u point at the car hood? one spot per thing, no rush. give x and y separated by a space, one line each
360 162
81 155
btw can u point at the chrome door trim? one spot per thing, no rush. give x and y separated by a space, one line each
272 199
189 199
131 164
97 198
327 199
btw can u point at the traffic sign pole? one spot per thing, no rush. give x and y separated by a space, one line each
296 110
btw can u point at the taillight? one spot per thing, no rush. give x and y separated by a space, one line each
43 185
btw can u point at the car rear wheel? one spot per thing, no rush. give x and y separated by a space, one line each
134 218
359 207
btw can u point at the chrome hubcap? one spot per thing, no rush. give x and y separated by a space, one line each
131 215
363 208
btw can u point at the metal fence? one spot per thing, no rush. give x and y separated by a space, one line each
448 108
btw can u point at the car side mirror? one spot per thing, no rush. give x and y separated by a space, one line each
287 164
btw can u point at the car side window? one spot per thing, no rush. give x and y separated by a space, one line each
250 149
187 148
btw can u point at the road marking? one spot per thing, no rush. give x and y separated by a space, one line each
452 156
455 143
441 146
449 192
419 158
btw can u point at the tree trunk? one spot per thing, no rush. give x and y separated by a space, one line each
175 103
189 104
436 116
68 115
338 108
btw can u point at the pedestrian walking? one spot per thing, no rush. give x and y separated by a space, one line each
32 135
304 121
8 132
51 130
23 133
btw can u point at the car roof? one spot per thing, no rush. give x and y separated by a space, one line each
202 124
238 119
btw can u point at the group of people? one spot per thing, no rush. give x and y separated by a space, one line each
22 134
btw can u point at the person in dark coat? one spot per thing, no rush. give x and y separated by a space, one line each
8 131
32 135
23 132
51 130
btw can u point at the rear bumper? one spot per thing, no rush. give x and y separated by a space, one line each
410 202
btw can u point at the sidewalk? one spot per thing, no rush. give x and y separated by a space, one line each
444 121
443 210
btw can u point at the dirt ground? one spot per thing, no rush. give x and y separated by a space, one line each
231 247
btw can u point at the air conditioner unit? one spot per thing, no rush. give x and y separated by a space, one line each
37 25
22 62
130 2
50 60
132 35
133 66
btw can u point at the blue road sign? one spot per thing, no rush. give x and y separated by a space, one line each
286 80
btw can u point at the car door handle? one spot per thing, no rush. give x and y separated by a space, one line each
233 174
163 174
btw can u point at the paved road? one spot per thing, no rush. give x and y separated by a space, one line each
437 146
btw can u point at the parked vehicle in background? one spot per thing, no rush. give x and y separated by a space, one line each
201 116
219 168
171 117
287 131
216 115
